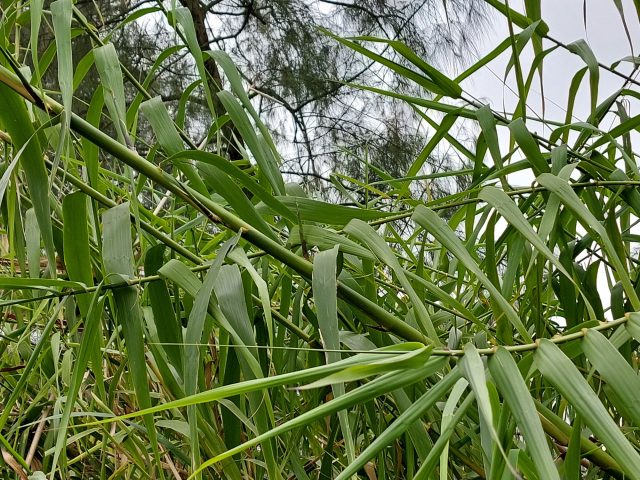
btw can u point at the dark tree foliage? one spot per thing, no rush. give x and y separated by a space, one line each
284 56
297 75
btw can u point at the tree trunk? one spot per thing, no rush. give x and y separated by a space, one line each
229 130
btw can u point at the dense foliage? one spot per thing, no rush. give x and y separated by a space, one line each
240 329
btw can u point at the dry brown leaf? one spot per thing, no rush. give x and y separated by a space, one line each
13 463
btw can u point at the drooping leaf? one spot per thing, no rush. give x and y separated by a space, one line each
512 386
560 371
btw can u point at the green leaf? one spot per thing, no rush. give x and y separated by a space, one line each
90 151
223 59
325 239
434 454
413 413
263 155
35 10
473 370
572 467
132 112
618 374
19 283
437 106
434 81
326 300
517 18
168 327
561 372
488 125
237 174
367 235
625 127
168 137
512 214
447 419
592 225
230 291
131 18
323 212
76 240
223 185
582 49
90 339
61 15
433 224
192 340
179 273
434 141
6 177
185 20
505 373
412 359
83 68
449 87
239 256
172 269
15 119
108 67
357 396
32 233
117 254
529 146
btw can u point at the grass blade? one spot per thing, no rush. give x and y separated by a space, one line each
324 287
414 412
592 225
117 256
559 370
15 119
511 384
366 392
618 374
431 222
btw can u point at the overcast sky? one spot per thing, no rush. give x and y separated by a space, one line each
603 31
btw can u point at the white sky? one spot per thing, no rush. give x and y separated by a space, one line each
605 34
